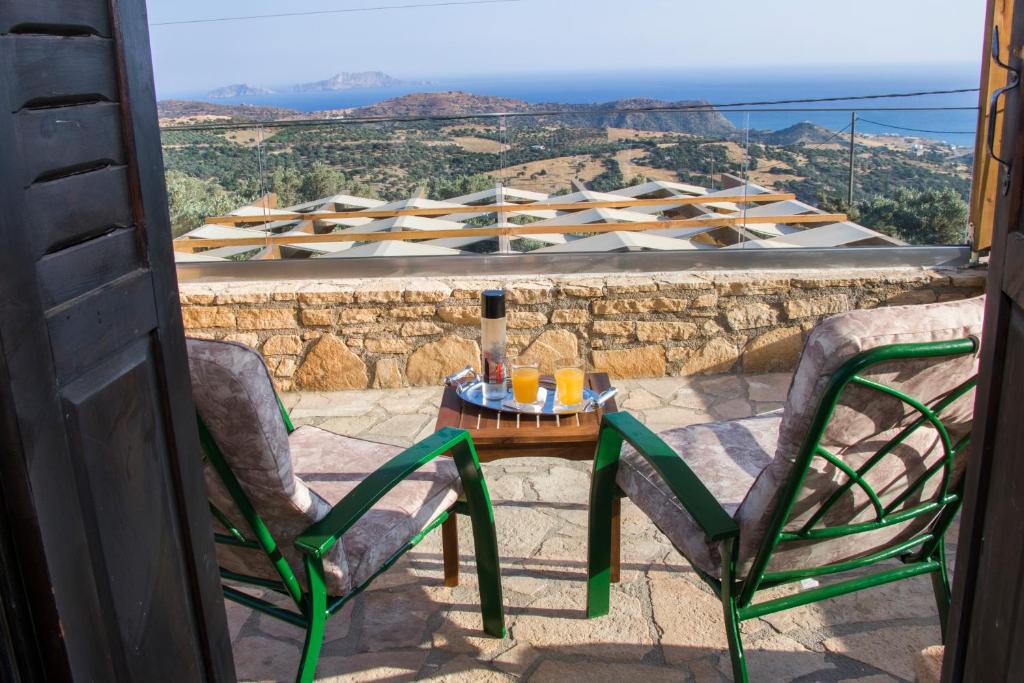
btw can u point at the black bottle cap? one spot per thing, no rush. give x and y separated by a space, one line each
492 303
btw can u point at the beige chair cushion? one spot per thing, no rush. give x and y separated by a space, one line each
746 463
333 465
863 422
725 456
235 398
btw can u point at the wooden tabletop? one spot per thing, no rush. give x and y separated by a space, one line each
501 435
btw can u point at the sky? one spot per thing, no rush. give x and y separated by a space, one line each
552 36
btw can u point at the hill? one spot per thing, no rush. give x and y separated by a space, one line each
193 109
799 133
707 122
451 103
458 103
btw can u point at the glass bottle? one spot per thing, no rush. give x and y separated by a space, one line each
492 343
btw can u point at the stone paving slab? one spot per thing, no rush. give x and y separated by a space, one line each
665 625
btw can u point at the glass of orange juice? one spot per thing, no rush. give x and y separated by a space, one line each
569 379
525 381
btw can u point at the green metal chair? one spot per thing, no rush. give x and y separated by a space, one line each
320 548
869 453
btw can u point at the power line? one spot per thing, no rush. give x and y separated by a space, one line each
348 10
826 141
851 98
920 130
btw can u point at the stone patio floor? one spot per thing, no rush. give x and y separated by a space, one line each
664 625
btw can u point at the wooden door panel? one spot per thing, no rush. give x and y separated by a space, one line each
101 322
987 619
116 437
1001 562
88 265
69 140
101 476
46 70
101 199
28 16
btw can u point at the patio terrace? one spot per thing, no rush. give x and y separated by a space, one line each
664 626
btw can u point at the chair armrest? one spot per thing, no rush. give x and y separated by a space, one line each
680 479
319 537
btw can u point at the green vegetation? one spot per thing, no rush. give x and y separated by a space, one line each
917 197
192 199
925 217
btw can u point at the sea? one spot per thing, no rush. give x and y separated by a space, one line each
950 118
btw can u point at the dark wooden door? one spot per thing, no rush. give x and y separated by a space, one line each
108 570
987 634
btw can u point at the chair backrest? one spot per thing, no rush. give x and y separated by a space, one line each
237 405
871 446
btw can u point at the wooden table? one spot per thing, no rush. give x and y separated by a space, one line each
501 435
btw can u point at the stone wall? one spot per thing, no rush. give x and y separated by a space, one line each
385 333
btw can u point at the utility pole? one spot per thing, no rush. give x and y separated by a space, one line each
853 133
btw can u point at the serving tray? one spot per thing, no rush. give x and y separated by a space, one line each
470 388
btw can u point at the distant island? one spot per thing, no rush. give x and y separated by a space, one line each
238 90
349 81
343 80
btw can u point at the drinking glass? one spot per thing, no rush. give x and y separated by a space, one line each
569 378
525 381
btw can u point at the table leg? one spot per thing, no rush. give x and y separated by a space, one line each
450 549
616 523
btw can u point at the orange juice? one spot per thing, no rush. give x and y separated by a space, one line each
525 383
569 386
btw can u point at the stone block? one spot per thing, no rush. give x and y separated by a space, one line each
241 296
387 345
754 282
718 355
429 364
471 289
266 319
773 351
584 288
818 306
331 366
317 317
460 315
630 285
665 330
750 315
250 339
379 292
426 291
571 316
388 374
617 306
411 312
282 344
519 320
551 346
706 300
285 368
529 292
681 282
420 328
326 294
198 317
357 315
643 361
614 328
912 297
